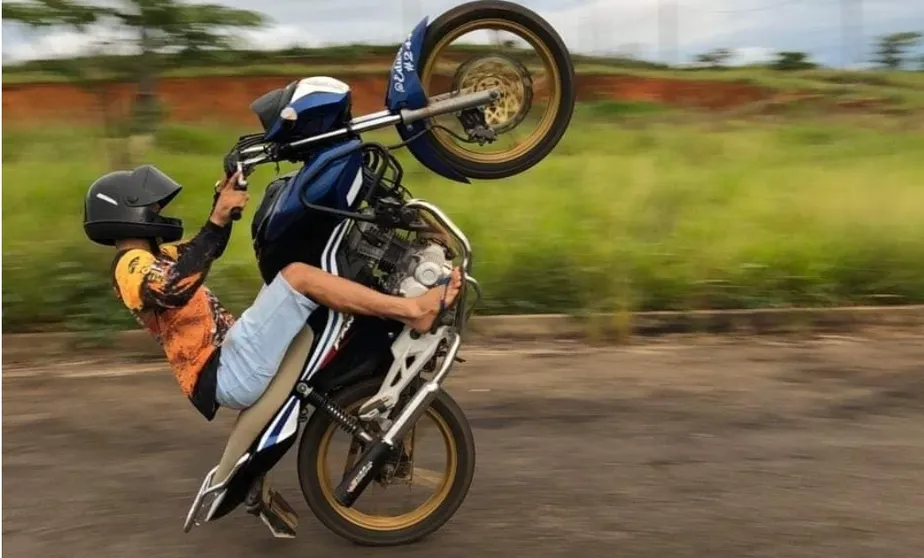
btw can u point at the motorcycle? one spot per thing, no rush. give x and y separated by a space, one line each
347 211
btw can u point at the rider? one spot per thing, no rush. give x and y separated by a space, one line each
219 362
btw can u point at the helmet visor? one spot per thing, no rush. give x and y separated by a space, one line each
153 187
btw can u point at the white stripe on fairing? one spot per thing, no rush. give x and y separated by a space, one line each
329 261
354 188
333 255
269 429
328 264
325 338
291 425
106 198
338 320
265 440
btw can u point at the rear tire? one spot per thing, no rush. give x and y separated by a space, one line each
326 509
529 22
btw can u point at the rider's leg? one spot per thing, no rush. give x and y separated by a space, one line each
255 344
343 295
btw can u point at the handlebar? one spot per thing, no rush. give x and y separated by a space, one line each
441 104
253 155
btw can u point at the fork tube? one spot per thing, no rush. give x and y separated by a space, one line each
370 122
367 117
372 460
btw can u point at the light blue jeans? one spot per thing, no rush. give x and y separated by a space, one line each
256 343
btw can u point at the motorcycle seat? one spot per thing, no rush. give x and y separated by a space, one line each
251 421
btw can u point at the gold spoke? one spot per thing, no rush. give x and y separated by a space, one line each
382 517
427 477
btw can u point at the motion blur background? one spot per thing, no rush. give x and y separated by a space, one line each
724 154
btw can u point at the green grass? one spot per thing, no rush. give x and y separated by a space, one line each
634 210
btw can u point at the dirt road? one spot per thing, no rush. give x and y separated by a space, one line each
668 449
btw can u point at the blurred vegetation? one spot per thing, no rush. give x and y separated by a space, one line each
892 49
347 59
638 209
230 59
153 27
788 61
716 58
790 72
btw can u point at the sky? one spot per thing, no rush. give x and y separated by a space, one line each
752 29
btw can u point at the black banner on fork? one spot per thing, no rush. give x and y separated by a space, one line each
359 477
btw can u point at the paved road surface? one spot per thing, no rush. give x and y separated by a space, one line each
670 449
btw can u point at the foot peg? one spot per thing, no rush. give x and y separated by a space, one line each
273 510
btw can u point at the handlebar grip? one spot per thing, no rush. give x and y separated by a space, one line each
239 184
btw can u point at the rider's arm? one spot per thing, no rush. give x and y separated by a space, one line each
146 280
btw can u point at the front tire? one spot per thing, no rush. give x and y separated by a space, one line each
357 527
531 27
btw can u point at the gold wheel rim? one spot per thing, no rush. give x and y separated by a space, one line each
398 522
552 79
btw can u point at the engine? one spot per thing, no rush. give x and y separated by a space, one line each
396 262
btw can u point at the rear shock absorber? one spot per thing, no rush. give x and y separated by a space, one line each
341 418
369 463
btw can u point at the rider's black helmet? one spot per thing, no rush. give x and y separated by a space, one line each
126 204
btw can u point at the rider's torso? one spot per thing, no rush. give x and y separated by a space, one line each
190 334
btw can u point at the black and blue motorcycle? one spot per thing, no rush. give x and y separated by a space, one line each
485 91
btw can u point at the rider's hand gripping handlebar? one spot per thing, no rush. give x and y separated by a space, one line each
232 165
239 184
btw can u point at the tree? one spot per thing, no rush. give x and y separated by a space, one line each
891 49
788 61
716 58
156 26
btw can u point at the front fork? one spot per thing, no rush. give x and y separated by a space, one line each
377 453
373 459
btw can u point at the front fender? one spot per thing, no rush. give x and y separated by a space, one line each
406 92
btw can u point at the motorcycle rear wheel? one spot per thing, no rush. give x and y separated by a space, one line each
371 530
527 25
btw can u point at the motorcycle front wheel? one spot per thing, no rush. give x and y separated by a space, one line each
378 518
524 58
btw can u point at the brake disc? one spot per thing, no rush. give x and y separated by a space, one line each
507 75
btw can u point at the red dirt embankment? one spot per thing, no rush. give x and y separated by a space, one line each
715 95
227 98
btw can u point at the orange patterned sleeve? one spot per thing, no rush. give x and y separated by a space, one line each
169 280
130 272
